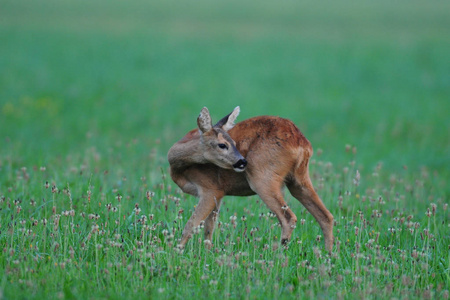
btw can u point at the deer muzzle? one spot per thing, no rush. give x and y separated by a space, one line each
240 165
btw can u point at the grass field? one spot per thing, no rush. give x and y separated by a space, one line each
93 94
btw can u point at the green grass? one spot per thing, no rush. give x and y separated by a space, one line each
97 91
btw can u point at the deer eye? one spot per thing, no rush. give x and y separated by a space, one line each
222 146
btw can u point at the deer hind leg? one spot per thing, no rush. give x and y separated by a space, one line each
203 209
302 189
271 194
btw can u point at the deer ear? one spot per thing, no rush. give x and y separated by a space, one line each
227 122
231 118
204 120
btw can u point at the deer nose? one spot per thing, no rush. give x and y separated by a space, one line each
240 165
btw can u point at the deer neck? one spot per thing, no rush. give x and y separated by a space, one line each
186 153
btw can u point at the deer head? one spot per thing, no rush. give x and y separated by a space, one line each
217 145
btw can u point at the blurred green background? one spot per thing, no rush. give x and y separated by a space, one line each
372 74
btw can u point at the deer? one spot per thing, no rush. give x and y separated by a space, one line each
261 155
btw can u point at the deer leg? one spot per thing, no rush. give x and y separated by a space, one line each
304 192
271 194
210 221
203 209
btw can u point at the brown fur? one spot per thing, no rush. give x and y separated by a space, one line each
277 154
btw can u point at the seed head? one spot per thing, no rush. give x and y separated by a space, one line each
118 197
433 209
149 195
233 218
207 243
357 178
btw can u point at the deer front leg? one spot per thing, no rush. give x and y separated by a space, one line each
210 221
203 209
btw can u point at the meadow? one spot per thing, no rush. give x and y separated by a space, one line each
93 94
